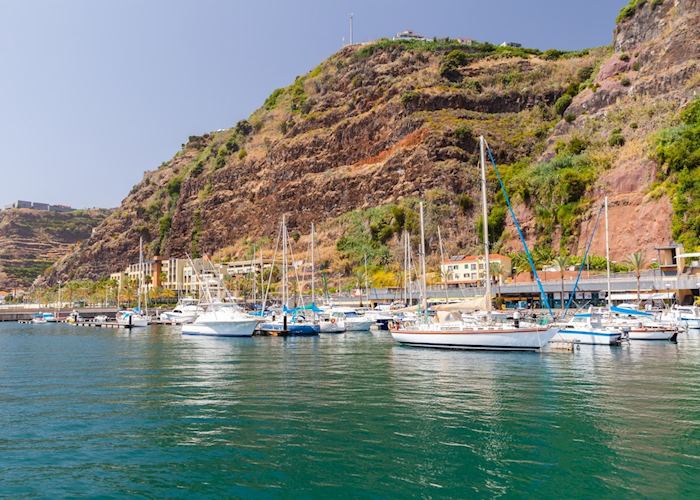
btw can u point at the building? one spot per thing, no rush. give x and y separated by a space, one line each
471 269
465 41
409 35
515 45
33 205
243 267
668 259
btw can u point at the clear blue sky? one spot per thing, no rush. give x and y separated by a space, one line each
93 93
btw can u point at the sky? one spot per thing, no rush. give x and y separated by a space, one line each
95 92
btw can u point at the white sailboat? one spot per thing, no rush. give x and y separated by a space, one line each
134 318
485 331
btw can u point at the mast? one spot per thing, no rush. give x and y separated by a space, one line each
141 277
284 262
607 251
485 216
424 298
409 269
442 260
255 276
313 268
366 281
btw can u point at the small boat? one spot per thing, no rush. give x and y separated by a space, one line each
330 323
186 311
74 317
132 318
291 324
687 316
222 320
588 328
354 321
642 325
41 318
381 317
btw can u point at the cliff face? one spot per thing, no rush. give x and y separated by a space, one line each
388 121
31 241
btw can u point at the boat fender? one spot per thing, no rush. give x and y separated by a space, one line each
333 321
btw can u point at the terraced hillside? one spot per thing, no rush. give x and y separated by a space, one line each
32 240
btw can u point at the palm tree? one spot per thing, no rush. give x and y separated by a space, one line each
561 262
497 274
520 264
637 262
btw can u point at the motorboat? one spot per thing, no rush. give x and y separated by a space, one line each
186 311
589 328
222 320
330 323
687 316
291 323
41 318
132 318
381 317
642 325
354 321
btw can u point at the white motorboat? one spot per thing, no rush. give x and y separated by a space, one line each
330 323
588 328
642 325
687 316
132 318
354 321
41 318
222 320
186 311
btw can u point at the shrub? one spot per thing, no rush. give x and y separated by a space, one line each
552 54
451 63
584 73
409 97
271 101
466 203
625 81
232 145
242 154
174 186
569 117
244 128
197 169
624 57
628 10
221 158
616 139
636 66
464 135
562 103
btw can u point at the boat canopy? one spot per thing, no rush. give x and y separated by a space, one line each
632 312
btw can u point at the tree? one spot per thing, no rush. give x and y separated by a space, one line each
497 274
521 264
637 262
561 262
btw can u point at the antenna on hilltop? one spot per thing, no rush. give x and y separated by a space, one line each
351 37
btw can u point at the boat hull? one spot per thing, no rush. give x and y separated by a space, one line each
221 328
328 327
134 323
298 329
179 319
591 337
505 340
653 334
359 326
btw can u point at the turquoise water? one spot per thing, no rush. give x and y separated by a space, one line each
102 412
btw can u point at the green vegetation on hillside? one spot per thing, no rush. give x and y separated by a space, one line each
678 152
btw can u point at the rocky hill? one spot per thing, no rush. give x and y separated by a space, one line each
33 240
353 144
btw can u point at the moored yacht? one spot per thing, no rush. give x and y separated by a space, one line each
485 331
185 311
588 328
641 325
222 319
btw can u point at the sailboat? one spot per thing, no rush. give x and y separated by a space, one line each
134 318
290 321
487 330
